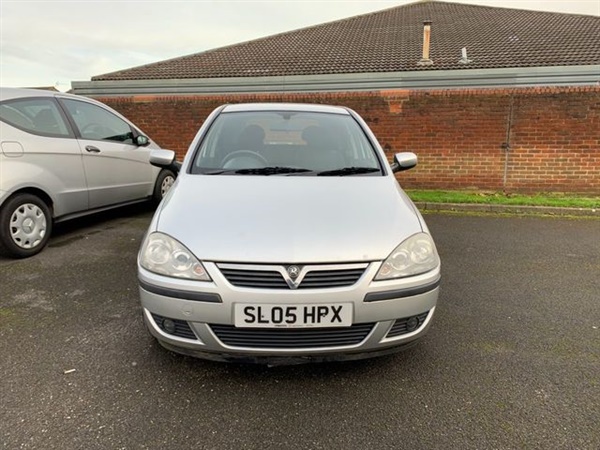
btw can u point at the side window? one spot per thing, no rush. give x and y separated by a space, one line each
35 115
97 123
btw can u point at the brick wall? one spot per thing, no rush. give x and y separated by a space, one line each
553 133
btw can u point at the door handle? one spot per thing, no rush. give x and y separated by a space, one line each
92 149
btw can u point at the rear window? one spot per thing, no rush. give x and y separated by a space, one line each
35 115
301 140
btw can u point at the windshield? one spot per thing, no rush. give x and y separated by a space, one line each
285 143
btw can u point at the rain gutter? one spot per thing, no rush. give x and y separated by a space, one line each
420 79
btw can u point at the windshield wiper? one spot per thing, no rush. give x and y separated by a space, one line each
347 171
271 170
218 172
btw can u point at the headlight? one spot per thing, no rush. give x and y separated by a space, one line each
414 256
164 255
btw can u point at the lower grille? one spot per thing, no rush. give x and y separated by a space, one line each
292 338
182 328
401 326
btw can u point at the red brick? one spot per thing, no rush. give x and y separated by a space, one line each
457 134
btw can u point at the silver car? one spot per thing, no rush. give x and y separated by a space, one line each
286 238
63 156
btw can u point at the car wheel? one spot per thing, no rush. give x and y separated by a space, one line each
165 180
25 226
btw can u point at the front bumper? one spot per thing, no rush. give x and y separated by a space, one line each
203 314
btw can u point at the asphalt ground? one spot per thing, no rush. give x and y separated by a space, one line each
512 360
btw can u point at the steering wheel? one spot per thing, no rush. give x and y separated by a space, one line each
244 153
95 130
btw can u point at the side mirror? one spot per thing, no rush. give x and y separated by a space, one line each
404 161
141 140
162 158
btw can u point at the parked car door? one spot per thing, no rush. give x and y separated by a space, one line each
116 169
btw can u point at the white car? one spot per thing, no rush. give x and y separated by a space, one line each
287 238
63 156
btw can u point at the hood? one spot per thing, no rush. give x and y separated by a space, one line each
296 219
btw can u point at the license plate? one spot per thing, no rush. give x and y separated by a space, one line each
261 315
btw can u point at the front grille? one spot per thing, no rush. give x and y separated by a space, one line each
400 326
255 278
182 328
292 338
330 278
315 278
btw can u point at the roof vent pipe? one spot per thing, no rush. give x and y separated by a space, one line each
425 61
464 59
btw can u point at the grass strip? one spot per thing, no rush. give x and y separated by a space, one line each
560 200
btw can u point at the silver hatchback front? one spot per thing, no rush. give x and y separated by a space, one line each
268 254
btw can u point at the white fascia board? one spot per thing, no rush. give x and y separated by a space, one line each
423 79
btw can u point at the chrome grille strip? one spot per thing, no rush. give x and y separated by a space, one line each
254 278
319 276
329 278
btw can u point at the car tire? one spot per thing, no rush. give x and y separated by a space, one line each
164 181
25 226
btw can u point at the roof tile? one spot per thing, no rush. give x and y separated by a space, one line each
391 41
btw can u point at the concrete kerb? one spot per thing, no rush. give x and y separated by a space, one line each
507 209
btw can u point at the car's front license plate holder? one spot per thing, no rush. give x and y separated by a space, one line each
266 315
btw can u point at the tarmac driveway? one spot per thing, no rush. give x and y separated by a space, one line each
512 359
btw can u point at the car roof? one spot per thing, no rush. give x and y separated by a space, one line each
296 107
16 93
10 93
7 93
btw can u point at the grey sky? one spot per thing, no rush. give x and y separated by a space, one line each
45 43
